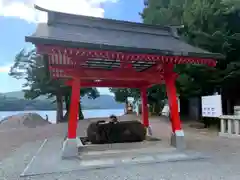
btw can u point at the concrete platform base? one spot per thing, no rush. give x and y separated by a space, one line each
49 160
71 147
149 131
177 140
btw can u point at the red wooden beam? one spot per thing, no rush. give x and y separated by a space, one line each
156 68
86 53
113 84
66 60
100 74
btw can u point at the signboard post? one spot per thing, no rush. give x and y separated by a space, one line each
212 106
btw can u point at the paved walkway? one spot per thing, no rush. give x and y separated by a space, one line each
223 164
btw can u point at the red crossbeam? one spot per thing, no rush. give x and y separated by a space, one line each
113 84
85 53
100 74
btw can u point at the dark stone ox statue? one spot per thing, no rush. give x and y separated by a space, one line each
115 132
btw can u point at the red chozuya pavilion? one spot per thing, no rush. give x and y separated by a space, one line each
97 52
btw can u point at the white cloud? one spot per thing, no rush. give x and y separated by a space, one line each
24 9
5 68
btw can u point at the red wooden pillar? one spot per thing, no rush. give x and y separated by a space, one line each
170 78
144 107
74 108
177 137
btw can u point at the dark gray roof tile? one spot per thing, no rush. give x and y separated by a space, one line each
74 29
127 39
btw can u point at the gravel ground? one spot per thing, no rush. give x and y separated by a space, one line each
11 139
224 163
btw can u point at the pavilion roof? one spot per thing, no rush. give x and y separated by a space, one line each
79 31
112 53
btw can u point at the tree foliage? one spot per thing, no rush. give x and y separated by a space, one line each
208 24
156 94
121 94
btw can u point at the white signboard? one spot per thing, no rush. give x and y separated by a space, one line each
211 106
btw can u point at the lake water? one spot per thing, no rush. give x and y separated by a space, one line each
93 113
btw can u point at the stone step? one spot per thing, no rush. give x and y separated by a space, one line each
104 162
124 152
123 146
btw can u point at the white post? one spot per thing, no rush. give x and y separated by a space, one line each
232 126
223 125
229 122
236 126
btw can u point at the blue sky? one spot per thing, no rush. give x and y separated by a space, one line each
18 19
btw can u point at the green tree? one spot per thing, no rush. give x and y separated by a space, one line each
212 26
207 24
156 94
122 94
164 12
33 68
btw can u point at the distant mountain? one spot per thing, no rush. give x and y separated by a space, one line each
20 95
41 103
103 102
14 94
